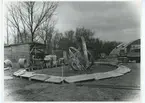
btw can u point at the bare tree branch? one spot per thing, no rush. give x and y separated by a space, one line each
25 18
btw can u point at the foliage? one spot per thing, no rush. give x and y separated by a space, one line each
31 21
95 45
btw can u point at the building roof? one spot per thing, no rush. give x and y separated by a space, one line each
117 49
132 42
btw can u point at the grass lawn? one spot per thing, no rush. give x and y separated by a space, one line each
68 72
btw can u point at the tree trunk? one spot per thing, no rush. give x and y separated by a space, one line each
32 36
46 48
18 40
7 33
25 37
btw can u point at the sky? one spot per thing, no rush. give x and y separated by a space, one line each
111 21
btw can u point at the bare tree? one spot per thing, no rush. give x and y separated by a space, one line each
70 35
7 30
13 18
83 32
46 34
28 17
56 39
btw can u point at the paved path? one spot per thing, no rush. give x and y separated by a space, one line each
23 90
119 71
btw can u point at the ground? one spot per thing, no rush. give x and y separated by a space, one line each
124 88
67 71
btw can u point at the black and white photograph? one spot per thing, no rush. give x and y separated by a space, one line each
72 51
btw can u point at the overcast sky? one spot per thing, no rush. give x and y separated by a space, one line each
109 20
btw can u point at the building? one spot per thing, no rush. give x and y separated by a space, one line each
132 45
116 50
14 52
127 47
127 52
